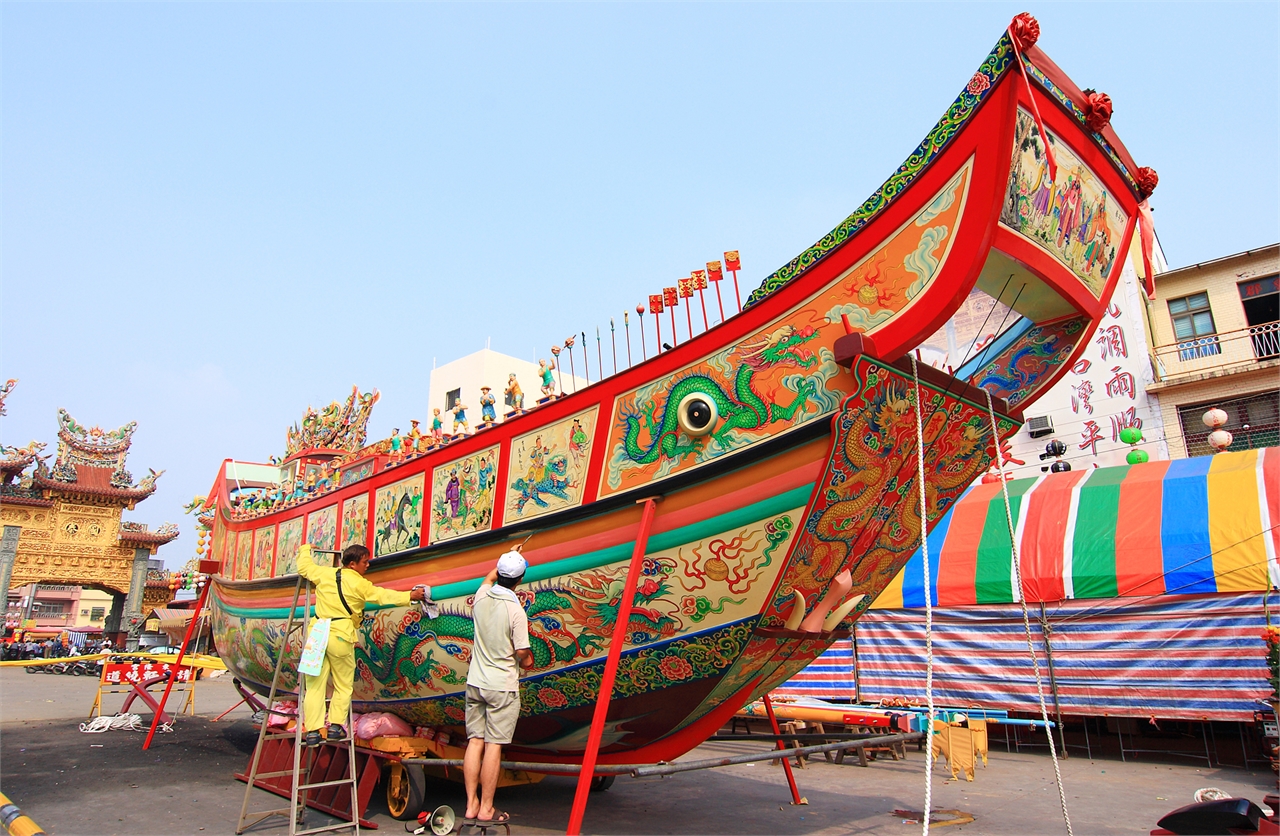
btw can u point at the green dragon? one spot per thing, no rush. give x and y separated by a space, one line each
741 410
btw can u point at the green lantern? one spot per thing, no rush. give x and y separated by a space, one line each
1137 457
1131 435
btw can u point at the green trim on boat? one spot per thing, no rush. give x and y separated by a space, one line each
786 501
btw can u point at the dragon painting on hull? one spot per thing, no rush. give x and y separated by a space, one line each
781 443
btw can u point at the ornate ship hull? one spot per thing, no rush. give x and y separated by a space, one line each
808 470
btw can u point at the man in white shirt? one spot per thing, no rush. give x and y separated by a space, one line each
500 649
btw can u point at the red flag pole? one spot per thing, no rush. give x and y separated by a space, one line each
657 324
714 273
644 351
736 294
675 341
620 633
688 315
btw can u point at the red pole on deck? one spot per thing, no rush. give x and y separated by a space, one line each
177 664
610 670
786 764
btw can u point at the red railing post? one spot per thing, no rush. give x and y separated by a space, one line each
620 626
177 664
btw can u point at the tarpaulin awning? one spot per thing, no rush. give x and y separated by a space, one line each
1200 525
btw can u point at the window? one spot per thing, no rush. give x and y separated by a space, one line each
1260 299
1193 327
1253 421
451 398
97 614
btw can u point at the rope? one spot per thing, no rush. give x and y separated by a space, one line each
118 722
928 599
1026 618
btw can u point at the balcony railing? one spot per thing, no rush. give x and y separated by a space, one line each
1218 351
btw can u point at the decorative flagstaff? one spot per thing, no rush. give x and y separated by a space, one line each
671 298
715 274
700 282
655 308
733 264
573 374
686 292
555 351
586 359
613 338
600 353
626 324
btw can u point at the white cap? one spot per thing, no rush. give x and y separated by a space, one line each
512 565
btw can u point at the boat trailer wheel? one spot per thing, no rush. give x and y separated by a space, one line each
406 791
600 783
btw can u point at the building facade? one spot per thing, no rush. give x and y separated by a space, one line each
1215 334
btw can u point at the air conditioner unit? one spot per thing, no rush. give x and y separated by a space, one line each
1040 426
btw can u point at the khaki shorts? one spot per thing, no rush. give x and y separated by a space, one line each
492 715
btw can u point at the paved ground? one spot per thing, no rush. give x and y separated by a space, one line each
73 783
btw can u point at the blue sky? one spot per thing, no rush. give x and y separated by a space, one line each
215 214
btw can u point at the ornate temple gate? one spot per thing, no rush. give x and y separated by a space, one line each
63 525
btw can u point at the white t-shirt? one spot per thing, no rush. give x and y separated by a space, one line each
501 628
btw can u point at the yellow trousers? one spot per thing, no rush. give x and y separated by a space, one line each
340 663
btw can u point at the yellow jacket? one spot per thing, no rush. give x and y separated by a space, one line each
355 589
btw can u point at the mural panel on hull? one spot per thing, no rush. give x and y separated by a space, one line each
1072 217
549 466
784 375
355 520
397 523
290 538
264 543
462 495
244 555
322 528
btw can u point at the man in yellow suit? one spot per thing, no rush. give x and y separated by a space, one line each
341 595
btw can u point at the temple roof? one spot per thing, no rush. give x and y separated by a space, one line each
336 427
138 534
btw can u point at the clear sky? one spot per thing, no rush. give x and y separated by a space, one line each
216 214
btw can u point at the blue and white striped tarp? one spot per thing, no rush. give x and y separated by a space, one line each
830 676
1193 657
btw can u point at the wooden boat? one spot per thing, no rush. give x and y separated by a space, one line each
781 443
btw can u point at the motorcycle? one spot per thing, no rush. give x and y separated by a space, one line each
85 667
58 667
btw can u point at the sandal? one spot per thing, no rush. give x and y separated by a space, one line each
499 817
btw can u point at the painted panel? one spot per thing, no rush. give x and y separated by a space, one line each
354 474
462 495
244 555
774 380
397 520
264 543
1029 360
549 467
322 528
287 549
355 520
1072 217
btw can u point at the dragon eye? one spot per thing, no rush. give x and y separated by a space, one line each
697 414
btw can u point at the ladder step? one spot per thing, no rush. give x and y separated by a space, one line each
279 774
279 736
351 781
342 825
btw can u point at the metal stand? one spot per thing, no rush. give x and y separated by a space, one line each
296 810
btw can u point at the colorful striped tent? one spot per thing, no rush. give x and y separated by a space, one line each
1172 563
1201 525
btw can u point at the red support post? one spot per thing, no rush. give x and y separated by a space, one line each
611 670
786 764
177 664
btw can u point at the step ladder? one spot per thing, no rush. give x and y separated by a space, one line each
296 811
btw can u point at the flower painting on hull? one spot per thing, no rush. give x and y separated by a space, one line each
322 528
355 520
1072 217
462 495
549 466
397 523
290 541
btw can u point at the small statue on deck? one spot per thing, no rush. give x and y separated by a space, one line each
437 425
397 443
460 417
513 395
548 382
487 413
414 442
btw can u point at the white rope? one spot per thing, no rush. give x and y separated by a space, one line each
119 722
1026 618
928 600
